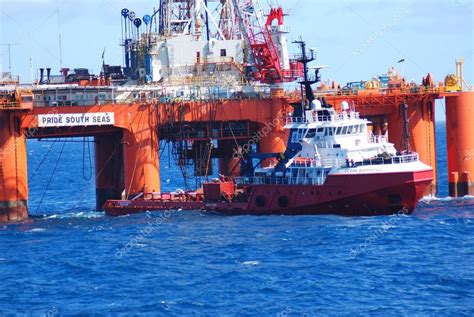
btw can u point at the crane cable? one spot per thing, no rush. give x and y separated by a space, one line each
89 176
230 128
209 147
42 161
96 177
51 177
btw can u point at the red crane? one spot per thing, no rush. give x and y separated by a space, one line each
266 60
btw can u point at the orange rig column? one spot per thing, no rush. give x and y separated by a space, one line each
460 143
272 142
140 154
108 167
271 136
421 130
13 169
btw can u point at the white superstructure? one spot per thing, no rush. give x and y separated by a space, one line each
332 143
335 138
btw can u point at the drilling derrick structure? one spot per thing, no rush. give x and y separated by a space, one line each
194 43
202 42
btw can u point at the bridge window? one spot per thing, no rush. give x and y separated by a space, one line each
301 133
298 135
311 133
329 131
344 130
339 129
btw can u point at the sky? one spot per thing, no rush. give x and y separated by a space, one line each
357 39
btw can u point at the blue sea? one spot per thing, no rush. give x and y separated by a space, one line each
71 260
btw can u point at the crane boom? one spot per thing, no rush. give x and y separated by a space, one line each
262 51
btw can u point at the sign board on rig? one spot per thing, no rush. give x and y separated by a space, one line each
75 119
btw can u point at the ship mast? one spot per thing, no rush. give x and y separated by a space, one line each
306 90
406 130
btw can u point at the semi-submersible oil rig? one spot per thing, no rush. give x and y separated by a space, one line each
205 79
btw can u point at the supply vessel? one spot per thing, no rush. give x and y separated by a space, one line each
331 165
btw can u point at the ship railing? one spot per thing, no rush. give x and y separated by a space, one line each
291 120
282 180
248 180
352 115
308 163
319 180
378 139
406 158
398 159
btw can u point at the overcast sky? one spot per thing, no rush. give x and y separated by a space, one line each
358 39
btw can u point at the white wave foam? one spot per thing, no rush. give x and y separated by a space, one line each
434 198
36 230
251 263
80 214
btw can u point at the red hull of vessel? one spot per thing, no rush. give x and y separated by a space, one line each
344 194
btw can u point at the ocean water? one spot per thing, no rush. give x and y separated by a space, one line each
70 260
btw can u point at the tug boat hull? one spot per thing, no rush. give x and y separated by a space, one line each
355 194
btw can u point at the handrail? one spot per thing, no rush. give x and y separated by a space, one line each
374 139
290 120
382 91
398 159
319 180
310 163
338 117
10 104
351 115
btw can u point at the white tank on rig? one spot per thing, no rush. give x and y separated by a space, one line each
196 41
